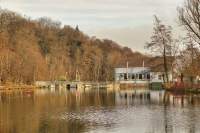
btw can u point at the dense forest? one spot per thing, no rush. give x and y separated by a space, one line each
44 49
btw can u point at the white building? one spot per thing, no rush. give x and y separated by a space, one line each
132 75
138 75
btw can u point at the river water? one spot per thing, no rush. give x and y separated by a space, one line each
99 111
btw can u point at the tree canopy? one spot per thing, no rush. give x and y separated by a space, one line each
42 49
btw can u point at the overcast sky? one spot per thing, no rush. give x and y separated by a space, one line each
128 22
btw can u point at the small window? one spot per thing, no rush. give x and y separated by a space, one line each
125 76
148 76
133 76
140 76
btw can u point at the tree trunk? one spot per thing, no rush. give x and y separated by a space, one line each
193 67
165 64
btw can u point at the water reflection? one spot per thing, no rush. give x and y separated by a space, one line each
99 111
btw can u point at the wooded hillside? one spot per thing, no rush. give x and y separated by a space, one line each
43 49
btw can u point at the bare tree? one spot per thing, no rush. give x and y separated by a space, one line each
190 56
160 44
189 17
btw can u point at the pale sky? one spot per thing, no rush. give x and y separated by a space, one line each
128 22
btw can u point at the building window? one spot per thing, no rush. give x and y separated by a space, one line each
133 76
125 76
140 76
148 76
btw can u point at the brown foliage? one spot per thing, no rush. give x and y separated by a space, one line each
43 50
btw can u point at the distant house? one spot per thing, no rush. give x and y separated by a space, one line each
152 70
138 75
132 75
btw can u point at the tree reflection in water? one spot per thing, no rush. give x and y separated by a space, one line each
42 111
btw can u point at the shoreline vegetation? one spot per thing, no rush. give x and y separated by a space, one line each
16 87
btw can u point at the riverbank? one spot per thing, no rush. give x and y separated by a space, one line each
61 85
182 87
17 87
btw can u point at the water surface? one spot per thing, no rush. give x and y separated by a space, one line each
99 111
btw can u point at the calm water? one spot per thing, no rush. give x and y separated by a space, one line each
138 111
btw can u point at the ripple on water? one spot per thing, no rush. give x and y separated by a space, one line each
91 116
155 118
107 117
123 115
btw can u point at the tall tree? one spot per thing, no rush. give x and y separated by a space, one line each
160 44
190 57
189 17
